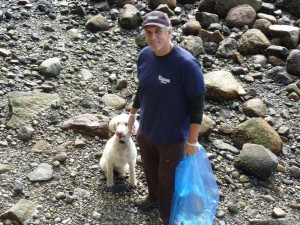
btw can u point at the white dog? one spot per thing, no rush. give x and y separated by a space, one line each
120 151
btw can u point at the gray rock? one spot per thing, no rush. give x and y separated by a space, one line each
295 171
255 108
293 62
289 35
129 17
25 133
114 101
253 42
227 47
193 44
43 172
257 161
97 23
4 168
50 67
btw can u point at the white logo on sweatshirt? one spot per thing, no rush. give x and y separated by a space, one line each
163 80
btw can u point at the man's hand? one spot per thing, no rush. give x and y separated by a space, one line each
130 123
191 148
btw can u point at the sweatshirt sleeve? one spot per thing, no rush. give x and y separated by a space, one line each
197 107
136 101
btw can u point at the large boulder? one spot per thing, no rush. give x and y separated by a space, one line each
255 108
21 213
193 44
240 16
153 4
253 42
256 160
257 131
97 23
223 6
129 17
207 126
221 85
95 125
291 6
24 106
293 62
288 35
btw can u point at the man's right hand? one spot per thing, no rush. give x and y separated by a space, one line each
130 123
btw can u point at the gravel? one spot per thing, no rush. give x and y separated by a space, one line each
77 193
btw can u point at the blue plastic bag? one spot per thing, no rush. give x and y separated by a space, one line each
196 195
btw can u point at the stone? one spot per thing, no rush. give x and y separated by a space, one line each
89 124
43 172
50 67
22 212
257 131
257 161
221 85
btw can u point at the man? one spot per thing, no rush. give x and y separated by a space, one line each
170 97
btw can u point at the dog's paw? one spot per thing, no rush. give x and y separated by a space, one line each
119 188
133 183
110 184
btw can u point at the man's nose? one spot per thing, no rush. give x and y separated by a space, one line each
152 35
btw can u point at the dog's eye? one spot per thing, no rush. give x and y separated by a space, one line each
125 124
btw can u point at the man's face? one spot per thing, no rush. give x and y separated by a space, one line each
158 39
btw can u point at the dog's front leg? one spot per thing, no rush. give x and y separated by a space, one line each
109 175
132 178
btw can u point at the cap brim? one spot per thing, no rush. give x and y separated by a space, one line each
154 24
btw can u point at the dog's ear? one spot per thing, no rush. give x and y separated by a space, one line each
112 124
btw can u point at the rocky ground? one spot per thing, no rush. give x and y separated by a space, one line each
77 192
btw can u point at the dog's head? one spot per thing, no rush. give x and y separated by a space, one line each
118 125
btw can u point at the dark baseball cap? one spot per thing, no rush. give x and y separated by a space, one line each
156 18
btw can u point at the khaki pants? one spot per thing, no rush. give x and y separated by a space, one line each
159 163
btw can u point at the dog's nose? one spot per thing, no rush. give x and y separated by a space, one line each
119 134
